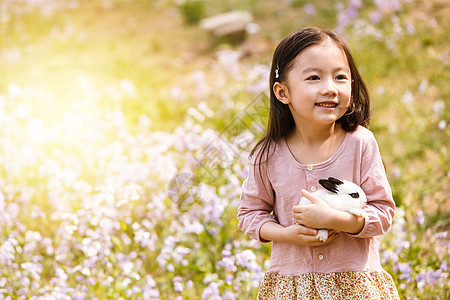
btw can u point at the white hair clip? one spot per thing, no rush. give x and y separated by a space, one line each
277 75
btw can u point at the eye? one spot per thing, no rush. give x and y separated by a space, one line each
341 77
313 77
354 195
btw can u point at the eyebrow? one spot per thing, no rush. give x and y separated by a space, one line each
312 69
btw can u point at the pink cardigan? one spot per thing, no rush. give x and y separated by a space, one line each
271 198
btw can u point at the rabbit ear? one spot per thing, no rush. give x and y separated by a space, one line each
331 184
335 181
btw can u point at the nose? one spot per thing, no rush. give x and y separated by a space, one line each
329 87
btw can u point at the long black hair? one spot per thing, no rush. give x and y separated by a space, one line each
281 122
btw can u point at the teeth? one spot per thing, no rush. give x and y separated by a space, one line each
326 105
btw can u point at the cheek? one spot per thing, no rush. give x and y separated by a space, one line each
347 95
348 98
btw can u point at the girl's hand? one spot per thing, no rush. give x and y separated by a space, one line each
315 215
303 236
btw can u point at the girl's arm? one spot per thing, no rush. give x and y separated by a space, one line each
319 215
380 208
294 234
257 201
255 213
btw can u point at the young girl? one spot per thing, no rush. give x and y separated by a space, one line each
319 107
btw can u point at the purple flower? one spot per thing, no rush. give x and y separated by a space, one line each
429 277
229 279
434 276
382 4
420 279
375 17
396 173
346 15
356 4
402 244
423 87
420 219
442 124
407 97
405 270
410 28
441 235
389 256
229 295
228 264
439 105
178 287
309 9
211 291
247 259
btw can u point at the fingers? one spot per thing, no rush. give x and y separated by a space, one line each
312 241
317 243
304 236
297 208
306 194
306 230
309 196
297 211
297 217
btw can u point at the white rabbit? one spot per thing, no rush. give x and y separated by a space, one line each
341 195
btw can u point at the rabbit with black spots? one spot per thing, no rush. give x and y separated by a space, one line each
342 195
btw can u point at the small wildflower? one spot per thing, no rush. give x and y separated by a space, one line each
420 219
211 291
381 90
438 107
423 86
375 17
177 284
407 97
309 9
410 28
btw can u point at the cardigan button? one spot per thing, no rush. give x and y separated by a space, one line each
313 188
320 256
310 168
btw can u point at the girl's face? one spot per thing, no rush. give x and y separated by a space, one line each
318 87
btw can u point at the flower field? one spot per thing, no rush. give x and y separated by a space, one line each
125 132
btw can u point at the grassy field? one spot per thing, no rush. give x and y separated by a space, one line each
125 130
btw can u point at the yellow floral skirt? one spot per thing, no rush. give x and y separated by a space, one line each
330 286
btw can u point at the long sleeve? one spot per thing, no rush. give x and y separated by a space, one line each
257 201
380 207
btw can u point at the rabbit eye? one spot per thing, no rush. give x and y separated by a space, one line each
354 195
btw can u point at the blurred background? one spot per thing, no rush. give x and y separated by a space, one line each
125 127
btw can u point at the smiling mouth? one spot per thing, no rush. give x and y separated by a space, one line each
327 104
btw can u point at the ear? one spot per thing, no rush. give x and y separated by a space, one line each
330 184
281 92
335 180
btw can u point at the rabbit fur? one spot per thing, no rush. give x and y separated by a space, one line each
342 195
